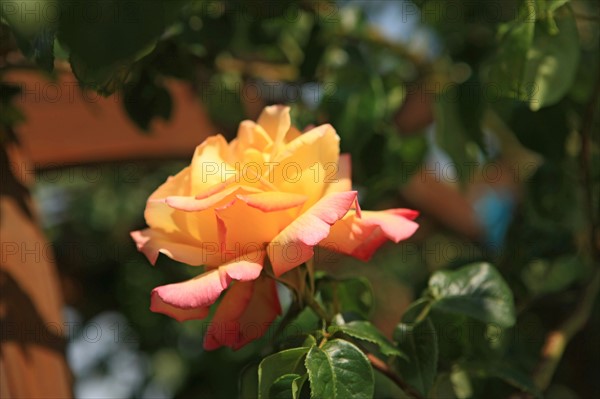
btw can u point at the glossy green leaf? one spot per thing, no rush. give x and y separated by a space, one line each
272 367
309 341
365 331
476 290
339 370
419 342
282 388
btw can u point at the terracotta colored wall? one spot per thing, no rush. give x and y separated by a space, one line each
64 126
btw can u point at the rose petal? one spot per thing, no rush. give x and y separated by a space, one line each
191 204
177 300
304 165
160 216
307 231
361 236
210 164
275 119
180 184
152 242
244 314
252 135
242 227
273 201
292 134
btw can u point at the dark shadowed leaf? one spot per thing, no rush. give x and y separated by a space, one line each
272 367
507 373
33 24
145 100
352 295
282 388
419 343
365 331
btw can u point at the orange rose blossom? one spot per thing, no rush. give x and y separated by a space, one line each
268 196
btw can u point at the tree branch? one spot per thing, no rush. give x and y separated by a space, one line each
384 369
587 128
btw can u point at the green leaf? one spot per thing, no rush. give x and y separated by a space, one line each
471 104
552 61
366 331
543 277
353 295
146 99
452 137
508 66
339 370
420 344
309 341
417 311
34 27
461 382
105 38
476 290
10 115
297 386
104 79
535 63
102 33
549 7
272 367
507 373
282 388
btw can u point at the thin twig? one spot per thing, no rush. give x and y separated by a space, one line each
557 340
587 127
314 305
384 369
